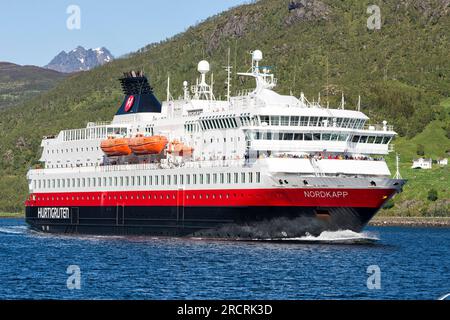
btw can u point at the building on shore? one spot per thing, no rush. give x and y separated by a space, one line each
422 163
442 161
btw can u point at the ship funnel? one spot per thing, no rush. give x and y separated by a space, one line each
139 95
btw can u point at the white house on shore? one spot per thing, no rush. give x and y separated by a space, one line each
422 163
442 161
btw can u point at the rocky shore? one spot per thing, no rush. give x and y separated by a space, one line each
411 221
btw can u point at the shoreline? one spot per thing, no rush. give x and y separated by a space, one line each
386 221
11 215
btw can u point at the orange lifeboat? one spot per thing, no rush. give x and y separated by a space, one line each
115 146
180 149
142 144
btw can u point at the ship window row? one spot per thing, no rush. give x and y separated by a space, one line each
192 127
173 195
69 164
67 150
218 123
92 133
306 121
153 180
289 136
371 139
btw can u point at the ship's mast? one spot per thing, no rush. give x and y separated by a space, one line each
397 173
228 70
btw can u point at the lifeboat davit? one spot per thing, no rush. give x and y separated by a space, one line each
115 146
142 144
180 149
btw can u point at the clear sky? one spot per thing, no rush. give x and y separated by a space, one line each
33 32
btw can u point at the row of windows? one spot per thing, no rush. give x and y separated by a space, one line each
220 123
155 180
192 127
143 197
66 150
306 121
266 135
92 133
371 139
262 135
302 121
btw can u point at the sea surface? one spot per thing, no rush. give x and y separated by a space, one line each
380 263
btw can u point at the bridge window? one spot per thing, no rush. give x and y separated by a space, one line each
355 139
379 139
264 119
294 120
288 136
284 121
275 120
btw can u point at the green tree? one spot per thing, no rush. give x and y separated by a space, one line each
420 150
432 195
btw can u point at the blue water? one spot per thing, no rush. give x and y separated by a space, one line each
414 264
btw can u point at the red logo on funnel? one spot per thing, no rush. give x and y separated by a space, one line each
129 103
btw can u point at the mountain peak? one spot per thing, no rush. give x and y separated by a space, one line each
80 59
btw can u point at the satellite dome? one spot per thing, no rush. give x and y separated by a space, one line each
203 66
257 55
185 83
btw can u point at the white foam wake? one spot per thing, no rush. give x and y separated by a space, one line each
341 236
13 229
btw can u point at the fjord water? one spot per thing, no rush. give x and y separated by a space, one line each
414 264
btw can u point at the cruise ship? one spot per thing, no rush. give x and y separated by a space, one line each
257 165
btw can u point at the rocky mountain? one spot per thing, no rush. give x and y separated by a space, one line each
80 59
20 83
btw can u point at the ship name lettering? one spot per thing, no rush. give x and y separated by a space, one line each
325 194
53 213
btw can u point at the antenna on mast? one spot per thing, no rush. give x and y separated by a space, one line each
397 173
359 103
228 70
342 101
328 102
169 97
